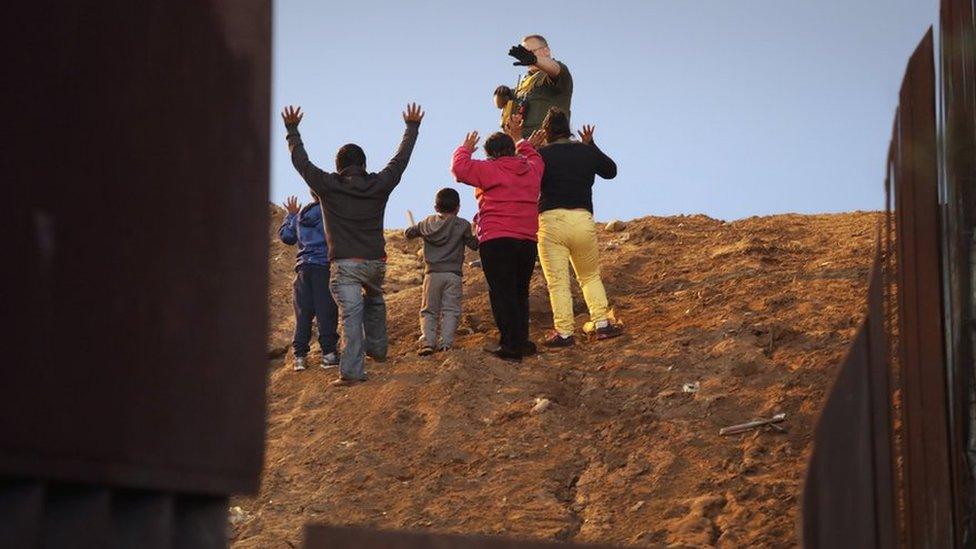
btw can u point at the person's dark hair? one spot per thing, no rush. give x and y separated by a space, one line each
504 91
350 154
536 37
499 144
556 125
447 201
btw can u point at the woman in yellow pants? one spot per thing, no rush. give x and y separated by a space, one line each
567 234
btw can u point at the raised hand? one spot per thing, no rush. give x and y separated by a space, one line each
525 57
292 205
537 138
471 141
513 127
413 113
292 115
586 134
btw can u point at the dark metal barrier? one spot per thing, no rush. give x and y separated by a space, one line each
136 179
958 186
848 500
925 439
331 537
907 479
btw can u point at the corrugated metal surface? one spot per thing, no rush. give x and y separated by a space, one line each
329 537
40 515
132 392
848 498
958 185
135 316
928 483
853 490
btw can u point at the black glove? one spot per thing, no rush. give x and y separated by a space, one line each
524 56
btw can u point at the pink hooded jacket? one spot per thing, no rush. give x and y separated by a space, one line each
507 191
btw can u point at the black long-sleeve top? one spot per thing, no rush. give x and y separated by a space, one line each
571 168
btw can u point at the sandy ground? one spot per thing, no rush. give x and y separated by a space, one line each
759 312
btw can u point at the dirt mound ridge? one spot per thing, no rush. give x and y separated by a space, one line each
759 312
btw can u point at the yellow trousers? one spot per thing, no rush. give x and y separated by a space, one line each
569 237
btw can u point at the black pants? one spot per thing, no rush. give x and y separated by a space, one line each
313 299
508 264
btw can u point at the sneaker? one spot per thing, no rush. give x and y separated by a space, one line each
554 339
330 360
426 350
443 348
529 349
346 382
299 363
608 331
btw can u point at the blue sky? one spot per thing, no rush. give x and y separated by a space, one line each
730 108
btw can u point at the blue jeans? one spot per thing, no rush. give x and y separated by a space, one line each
357 287
313 299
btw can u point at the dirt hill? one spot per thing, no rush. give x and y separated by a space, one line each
758 312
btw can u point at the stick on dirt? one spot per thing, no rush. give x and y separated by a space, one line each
733 429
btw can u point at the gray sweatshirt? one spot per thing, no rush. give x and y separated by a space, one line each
353 200
445 237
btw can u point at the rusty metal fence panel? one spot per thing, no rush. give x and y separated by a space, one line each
132 394
330 537
925 450
958 186
910 482
136 312
848 497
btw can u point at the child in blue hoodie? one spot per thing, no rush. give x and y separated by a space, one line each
312 296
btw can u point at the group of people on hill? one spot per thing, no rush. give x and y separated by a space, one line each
534 195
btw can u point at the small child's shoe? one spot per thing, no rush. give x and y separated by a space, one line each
330 360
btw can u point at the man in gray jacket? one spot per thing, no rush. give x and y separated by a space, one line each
353 203
445 236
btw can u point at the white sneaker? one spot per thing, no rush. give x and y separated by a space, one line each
330 360
299 363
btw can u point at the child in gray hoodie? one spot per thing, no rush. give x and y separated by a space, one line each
445 236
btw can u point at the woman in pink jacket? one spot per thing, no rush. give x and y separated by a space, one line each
507 190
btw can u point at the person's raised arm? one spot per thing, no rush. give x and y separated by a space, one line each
536 165
513 127
412 232
526 58
315 178
464 168
471 237
288 232
605 166
391 174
